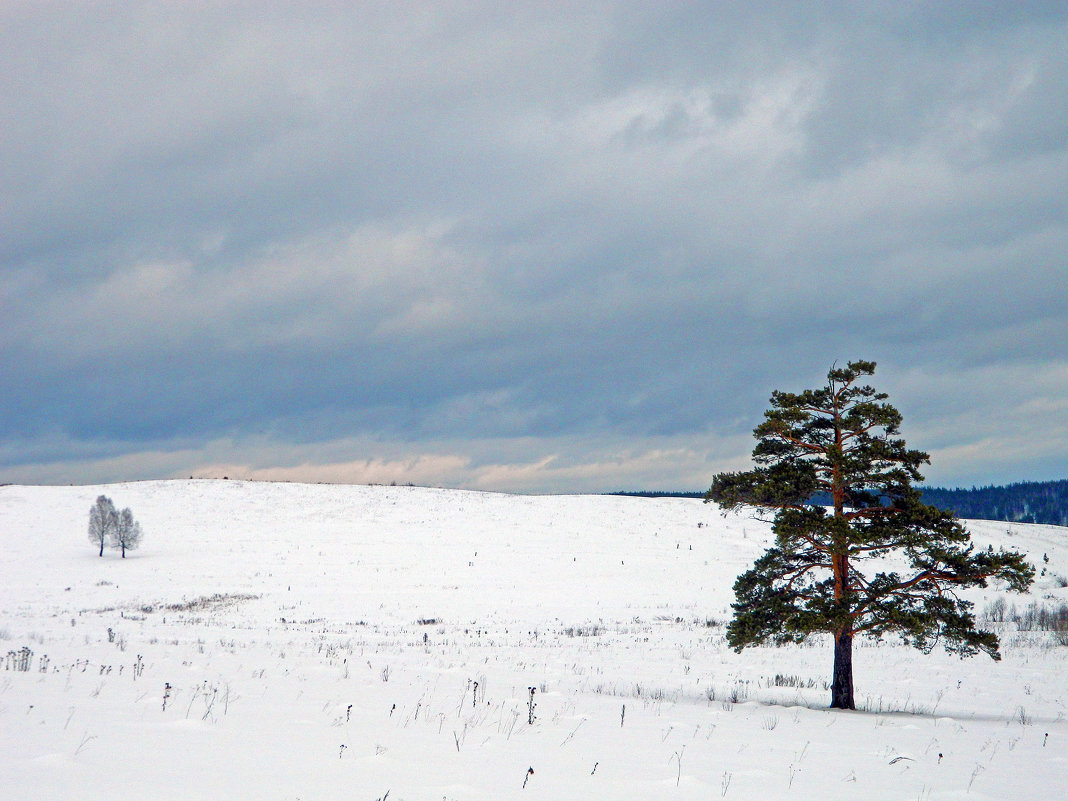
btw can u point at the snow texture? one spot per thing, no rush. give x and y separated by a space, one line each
286 641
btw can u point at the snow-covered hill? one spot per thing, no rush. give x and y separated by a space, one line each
286 641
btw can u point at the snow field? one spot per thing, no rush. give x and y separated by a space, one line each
324 642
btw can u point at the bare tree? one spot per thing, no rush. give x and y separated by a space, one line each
127 532
103 520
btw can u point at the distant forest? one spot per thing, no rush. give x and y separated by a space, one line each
1025 502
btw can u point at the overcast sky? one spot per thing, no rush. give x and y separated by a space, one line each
525 246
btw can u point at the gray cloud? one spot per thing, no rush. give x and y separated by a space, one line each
528 244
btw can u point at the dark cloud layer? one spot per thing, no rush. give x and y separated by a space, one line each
529 247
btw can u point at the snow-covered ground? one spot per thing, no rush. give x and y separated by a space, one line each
286 641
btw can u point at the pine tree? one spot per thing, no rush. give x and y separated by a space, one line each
840 444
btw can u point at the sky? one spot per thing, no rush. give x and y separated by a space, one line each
524 247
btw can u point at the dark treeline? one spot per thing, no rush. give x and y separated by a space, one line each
1024 502
658 494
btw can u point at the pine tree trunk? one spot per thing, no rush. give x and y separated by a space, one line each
101 547
842 683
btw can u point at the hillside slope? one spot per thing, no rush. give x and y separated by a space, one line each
290 641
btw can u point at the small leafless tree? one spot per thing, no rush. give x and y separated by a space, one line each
127 532
112 528
103 520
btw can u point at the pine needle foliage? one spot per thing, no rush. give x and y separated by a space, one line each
842 441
